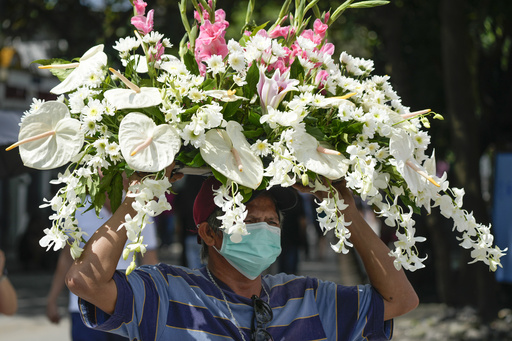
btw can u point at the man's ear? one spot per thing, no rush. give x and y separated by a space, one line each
206 233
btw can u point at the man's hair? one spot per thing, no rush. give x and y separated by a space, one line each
215 224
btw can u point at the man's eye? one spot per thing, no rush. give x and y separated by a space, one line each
273 223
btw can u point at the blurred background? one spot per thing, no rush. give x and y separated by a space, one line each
452 56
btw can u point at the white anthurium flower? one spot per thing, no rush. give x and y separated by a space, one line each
94 58
49 138
224 95
134 97
145 146
316 157
329 102
228 152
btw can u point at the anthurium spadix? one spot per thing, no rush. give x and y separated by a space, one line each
145 146
94 58
317 157
133 97
228 152
49 138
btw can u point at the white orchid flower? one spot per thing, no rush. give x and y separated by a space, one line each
94 58
316 157
145 146
134 97
228 152
49 138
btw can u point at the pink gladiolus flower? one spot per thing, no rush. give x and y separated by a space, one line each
140 7
143 24
211 41
157 52
309 34
279 31
272 90
320 28
327 49
327 16
321 78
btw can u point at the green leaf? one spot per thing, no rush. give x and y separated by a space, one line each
252 78
252 134
354 128
296 70
156 114
98 202
315 132
220 177
208 84
368 4
191 158
61 74
116 192
230 109
191 63
411 203
254 118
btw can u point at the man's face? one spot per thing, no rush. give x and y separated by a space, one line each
262 209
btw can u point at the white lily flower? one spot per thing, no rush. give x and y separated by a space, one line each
228 152
145 146
49 138
94 58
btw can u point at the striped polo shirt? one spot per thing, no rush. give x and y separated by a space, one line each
165 302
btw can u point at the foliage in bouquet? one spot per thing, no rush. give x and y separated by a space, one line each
274 107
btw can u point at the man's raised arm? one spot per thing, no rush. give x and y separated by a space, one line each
91 276
396 290
398 294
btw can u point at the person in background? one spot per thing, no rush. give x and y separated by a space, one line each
89 222
8 297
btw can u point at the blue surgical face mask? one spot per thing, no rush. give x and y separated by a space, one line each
257 250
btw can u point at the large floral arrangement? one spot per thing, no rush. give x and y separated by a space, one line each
271 108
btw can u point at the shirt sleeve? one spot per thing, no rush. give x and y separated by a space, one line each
138 302
355 313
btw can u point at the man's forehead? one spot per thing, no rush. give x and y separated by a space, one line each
261 204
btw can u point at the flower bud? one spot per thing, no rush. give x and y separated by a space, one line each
305 179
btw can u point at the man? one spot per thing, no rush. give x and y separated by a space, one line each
228 298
